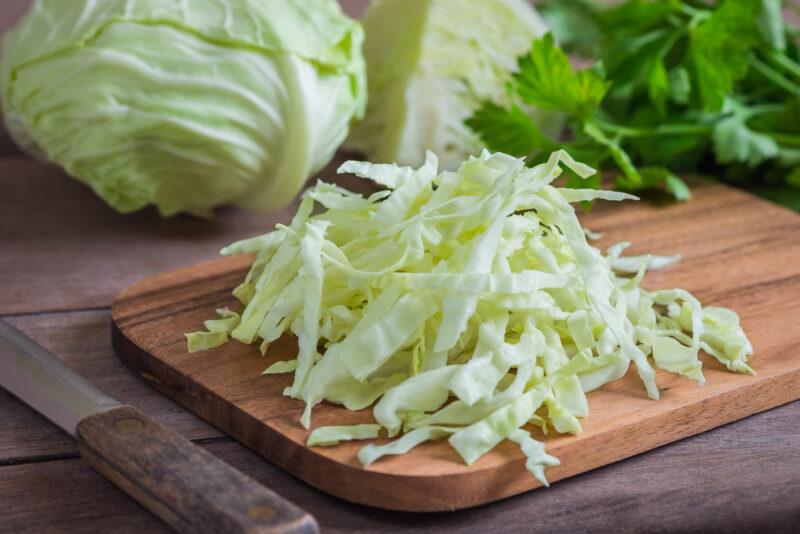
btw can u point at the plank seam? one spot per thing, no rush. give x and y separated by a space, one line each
55 457
42 313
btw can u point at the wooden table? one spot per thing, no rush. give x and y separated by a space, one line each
63 257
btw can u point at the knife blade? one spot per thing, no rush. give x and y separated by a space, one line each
182 483
46 383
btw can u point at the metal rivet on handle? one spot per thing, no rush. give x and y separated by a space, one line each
261 512
128 424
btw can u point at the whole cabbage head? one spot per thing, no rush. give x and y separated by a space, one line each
186 105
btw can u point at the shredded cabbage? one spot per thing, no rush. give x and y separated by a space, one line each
325 436
468 304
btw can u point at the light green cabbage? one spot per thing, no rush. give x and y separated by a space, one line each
325 436
468 304
186 105
430 65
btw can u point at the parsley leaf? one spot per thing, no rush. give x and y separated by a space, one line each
680 87
793 179
656 176
735 142
719 50
788 196
508 130
547 80
658 86
700 86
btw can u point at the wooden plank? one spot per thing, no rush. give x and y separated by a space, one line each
724 234
82 340
7 146
739 252
738 478
354 8
11 12
64 249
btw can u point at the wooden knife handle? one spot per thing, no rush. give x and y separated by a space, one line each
186 486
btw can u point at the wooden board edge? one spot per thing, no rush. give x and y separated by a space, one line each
413 493
272 445
187 275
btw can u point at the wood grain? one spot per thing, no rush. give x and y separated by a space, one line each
68 250
10 12
736 478
741 477
83 341
736 254
190 489
64 249
7 146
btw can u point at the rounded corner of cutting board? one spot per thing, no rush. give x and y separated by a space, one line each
408 490
126 300
462 487
145 315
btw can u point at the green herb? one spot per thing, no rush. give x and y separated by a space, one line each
676 86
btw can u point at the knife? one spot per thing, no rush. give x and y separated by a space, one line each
183 484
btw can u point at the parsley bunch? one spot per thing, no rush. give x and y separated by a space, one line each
677 86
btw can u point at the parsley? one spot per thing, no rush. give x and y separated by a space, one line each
676 86
547 80
719 50
508 130
734 141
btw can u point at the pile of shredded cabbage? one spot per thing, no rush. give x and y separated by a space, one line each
468 304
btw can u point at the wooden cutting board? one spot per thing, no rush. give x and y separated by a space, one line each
739 252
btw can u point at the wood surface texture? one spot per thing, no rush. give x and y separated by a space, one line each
739 477
695 485
735 255
189 488
83 248
83 341
64 256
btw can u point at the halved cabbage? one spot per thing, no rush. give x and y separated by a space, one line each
430 64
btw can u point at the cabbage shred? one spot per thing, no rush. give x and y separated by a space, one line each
468 304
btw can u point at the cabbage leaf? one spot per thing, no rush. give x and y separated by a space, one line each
430 64
184 105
